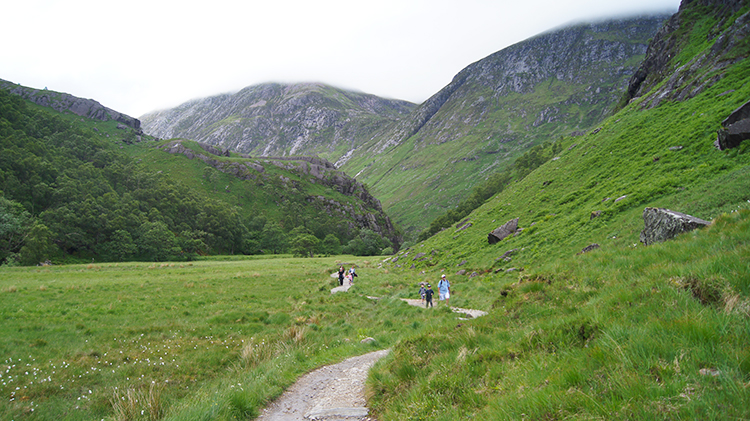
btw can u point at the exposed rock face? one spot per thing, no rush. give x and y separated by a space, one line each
689 79
663 224
497 235
736 128
279 120
63 102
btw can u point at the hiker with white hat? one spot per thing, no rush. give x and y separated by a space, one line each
444 289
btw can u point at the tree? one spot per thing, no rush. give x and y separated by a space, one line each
330 245
305 245
14 222
38 246
273 238
367 243
121 245
156 242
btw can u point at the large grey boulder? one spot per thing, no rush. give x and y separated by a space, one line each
499 233
735 128
664 224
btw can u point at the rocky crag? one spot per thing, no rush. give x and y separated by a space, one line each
63 102
685 74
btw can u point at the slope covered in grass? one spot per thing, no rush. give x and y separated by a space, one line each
621 333
624 331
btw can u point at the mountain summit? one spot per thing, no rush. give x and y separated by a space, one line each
280 120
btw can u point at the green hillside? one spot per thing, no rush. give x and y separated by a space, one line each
624 331
78 188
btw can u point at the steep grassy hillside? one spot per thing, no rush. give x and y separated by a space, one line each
536 91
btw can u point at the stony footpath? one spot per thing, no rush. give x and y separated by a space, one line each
331 393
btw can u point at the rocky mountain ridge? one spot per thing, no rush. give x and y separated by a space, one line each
560 83
281 120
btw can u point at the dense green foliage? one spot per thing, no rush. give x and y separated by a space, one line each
89 201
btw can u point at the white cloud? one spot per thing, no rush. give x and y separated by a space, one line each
149 54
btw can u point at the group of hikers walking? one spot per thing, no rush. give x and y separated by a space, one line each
347 276
444 291
425 289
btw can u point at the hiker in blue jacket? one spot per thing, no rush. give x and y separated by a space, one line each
444 289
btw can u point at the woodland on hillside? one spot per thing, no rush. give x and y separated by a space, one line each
67 195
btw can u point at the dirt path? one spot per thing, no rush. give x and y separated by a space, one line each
332 393
471 313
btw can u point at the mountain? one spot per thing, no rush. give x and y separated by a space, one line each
422 161
557 84
280 120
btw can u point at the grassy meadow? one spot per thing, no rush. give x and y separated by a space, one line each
212 339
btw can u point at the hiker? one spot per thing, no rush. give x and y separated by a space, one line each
422 291
341 275
428 296
348 279
444 289
352 273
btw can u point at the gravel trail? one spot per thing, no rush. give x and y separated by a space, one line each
331 393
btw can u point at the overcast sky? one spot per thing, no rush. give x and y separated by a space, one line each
143 55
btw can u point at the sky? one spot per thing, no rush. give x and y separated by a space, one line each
145 55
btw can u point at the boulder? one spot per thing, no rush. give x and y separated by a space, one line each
664 224
735 128
590 247
500 233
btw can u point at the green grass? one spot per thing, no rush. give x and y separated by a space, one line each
217 338
656 332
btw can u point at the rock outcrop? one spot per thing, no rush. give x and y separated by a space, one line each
499 233
689 79
62 102
664 224
735 128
